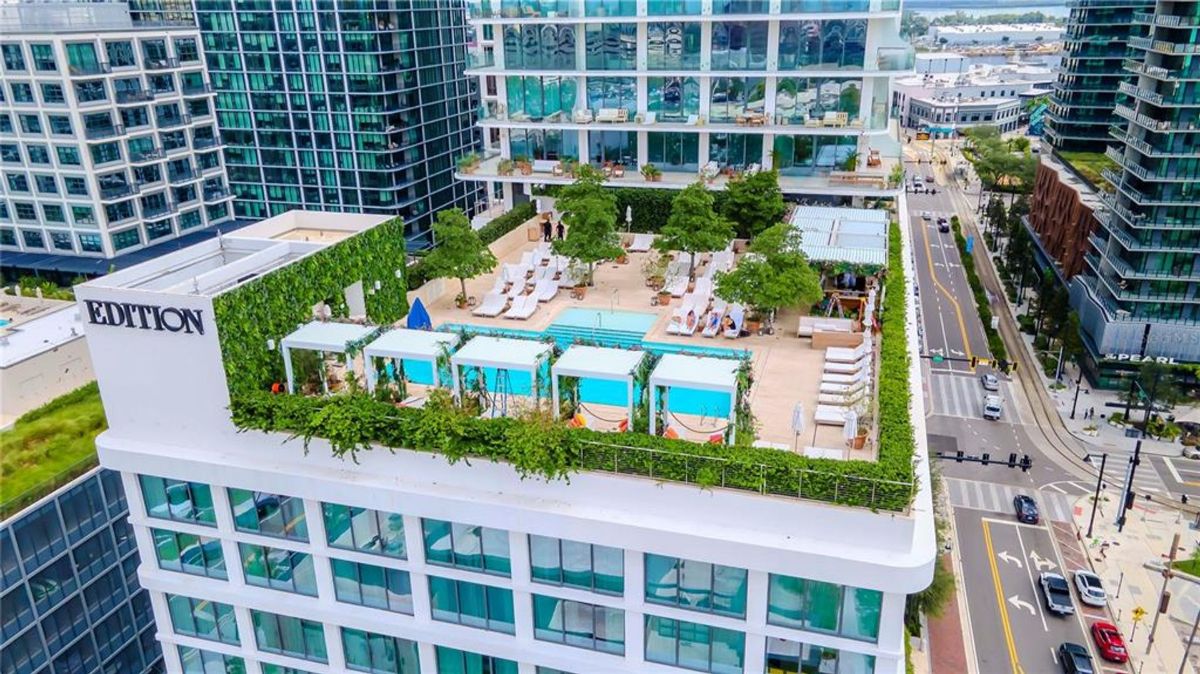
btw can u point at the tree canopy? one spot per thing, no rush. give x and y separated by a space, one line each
459 253
754 203
995 162
774 274
590 214
694 226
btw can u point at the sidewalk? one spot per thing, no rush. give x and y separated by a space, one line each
947 651
1120 560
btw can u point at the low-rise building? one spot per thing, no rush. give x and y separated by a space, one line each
947 115
939 94
42 353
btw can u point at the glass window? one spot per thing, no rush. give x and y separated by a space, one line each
799 99
791 657
104 153
673 99
46 184
82 59
203 619
574 623
739 45
43 57
179 500
38 154
741 7
68 155
186 50
22 92
268 514
454 661
540 47
814 45
673 151
373 586
824 607
188 553
563 562
278 569
694 646
120 54
612 46
550 98
613 146
55 214
39 536
14 59
673 45
694 585
811 155
10 152
738 150
94 555
466 546
612 92
60 125
734 98
378 653
91 91
15 613
471 604
52 585
544 144
196 661
75 186
364 530
30 123
89 242
53 93
285 635
17 182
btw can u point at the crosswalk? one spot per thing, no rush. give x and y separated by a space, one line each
998 498
1145 479
958 395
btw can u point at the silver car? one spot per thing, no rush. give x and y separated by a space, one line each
990 382
1091 590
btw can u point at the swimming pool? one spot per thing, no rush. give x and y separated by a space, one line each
624 321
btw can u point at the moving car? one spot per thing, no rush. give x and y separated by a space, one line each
943 225
929 179
1057 594
1091 590
993 407
926 215
1074 659
1109 642
1027 510
990 382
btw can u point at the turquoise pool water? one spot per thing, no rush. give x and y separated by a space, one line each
4 322
624 321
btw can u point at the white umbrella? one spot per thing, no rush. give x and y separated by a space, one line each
851 428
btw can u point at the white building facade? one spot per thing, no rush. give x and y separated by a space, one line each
916 98
108 139
404 562
692 87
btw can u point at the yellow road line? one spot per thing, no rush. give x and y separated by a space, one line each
1001 601
962 325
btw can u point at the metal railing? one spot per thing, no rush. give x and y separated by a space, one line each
101 132
134 96
11 506
89 69
161 64
117 191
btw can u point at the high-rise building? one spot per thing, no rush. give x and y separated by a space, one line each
405 561
108 138
69 594
358 107
692 87
1092 67
1140 294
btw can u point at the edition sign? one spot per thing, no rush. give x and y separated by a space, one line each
144 316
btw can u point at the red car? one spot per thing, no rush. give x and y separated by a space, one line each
1109 642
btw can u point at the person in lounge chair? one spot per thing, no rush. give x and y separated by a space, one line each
714 322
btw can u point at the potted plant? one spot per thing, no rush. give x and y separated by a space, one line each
579 272
651 173
860 438
654 269
850 163
506 167
568 165
523 164
468 163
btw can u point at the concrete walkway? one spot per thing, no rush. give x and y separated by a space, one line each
1129 564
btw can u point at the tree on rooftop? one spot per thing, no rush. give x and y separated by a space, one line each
590 213
774 274
694 226
753 203
459 253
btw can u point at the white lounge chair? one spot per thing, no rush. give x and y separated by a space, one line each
843 389
582 117
848 368
837 354
641 243
834 378
522 307
492 305
737 314
516 273
676 285
703 288
686 317
516 290
828 415
712 320
851 399
545 290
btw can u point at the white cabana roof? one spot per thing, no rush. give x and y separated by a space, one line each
503 353
324 336
696 372
414 344
594 362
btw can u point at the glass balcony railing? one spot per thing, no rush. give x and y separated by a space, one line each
82 69
116 191
893 59
101 132
1168 20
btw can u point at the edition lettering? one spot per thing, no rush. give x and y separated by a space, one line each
144 316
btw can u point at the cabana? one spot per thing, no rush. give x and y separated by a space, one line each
403 344
676 370
593 362
503 355
324 338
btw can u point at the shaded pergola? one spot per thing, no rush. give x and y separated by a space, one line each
594 362
403 344
700 373
322 337
502 354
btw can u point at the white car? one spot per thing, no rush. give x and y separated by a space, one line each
1091 590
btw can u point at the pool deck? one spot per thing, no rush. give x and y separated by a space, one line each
786 369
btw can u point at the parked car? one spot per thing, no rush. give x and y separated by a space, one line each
1056 593
1074 659
1091 590
1109 642
1026 507
989 382
926 215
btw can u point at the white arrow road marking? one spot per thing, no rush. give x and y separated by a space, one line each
957 352
1039 562
1018 603
1010 559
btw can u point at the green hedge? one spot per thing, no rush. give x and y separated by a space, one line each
995 343
650 206
271 306
488 233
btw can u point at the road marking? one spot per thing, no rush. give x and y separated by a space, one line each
1039 562
962 324
999 588
1175 473
1017 602
1009 559
1032 584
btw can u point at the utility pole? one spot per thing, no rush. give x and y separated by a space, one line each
1096 498
1162 596
1191 638
1078 381
1127 491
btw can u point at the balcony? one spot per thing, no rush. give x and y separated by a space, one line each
1145 121
197 90
185 175
748 122
161 64
216 193
102 132
158 209
89 69
115 192
147 156
1170 21
174 121
1138 92
206 143
137 96
1163 47
494 12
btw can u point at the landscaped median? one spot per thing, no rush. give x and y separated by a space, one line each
995 343
536 447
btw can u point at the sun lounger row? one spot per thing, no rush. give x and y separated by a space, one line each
641 243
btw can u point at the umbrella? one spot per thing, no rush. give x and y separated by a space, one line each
851 428
418 317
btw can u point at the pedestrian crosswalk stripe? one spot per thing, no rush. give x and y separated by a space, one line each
998 498
1146 478
958 396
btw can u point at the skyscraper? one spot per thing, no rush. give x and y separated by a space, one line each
694 88
108 138
359 106
1140 295
1095 48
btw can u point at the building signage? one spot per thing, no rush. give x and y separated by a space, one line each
1134 358
144 316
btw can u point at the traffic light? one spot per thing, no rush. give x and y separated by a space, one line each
986 457
974 361
1012 459
958 456
1026 463
1129 497
1002 365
